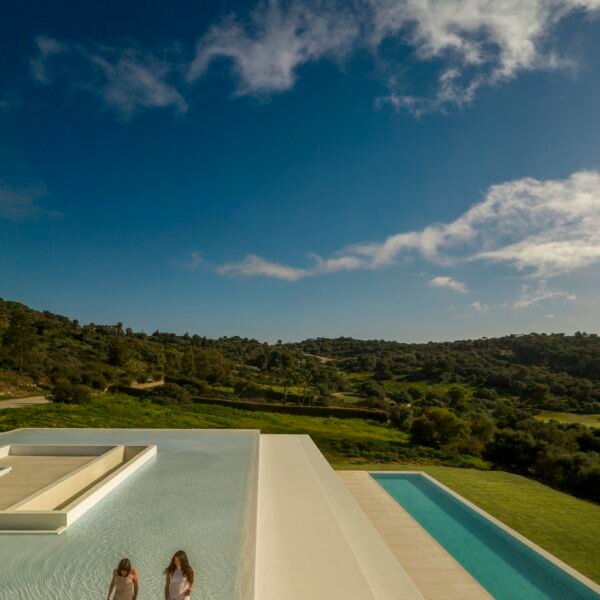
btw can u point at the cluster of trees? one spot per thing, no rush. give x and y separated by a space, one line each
545 371
55 351
505 433
565 457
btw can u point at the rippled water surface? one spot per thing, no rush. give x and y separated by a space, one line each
191 496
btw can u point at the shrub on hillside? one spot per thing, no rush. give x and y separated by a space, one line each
438 428
95 380
401 417
170 393
69 393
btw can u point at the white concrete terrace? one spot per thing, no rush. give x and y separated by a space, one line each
313 539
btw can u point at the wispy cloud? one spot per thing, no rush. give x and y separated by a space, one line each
47 49
480 307
471 43
544 228
192 263
253 266
19 204
125 80
448 282
531 296
23 194
278 39
475 43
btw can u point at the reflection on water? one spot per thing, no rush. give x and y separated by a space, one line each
191 496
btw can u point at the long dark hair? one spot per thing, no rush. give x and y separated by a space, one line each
124 566
185 565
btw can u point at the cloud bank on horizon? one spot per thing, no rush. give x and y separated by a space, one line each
473 43
543 228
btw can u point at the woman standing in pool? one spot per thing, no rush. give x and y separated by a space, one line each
124 582
179 578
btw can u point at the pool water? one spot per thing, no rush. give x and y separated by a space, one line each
193 495
503 565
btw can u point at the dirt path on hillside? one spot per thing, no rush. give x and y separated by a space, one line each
23 402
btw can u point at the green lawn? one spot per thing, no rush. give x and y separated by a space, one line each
400 384
348 397
359 377
441 389
296 390
566 526
562 417
357 439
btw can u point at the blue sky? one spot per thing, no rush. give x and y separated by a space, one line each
393 169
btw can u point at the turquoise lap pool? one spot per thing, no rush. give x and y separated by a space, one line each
506 567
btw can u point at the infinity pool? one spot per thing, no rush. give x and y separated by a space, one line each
503 565
197 494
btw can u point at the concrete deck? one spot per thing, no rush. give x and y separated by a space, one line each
435 573
313 540
31 474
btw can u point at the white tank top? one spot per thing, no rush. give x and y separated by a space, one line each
178 585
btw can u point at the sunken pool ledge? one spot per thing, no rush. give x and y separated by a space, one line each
89 473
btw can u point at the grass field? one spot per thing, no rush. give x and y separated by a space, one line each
566 526
348 397
561 417
400 384
440 389
356 439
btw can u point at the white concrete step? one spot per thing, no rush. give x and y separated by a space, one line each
313 540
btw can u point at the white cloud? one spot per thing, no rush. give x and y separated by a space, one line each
480 42
448 282
281 37
480 307
125 80
252 266
541 293
549 227
132 81
544 228
468 43
335 264
550 316
474 42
